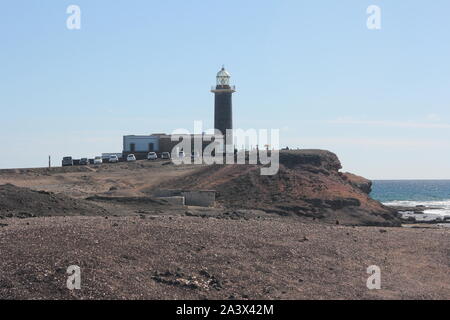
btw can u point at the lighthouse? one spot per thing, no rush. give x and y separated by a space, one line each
223 106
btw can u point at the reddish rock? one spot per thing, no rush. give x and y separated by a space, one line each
308 185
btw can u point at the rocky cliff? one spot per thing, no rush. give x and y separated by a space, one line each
308 185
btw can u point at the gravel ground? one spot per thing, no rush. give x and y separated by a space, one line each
181 257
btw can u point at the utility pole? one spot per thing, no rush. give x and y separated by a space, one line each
49 162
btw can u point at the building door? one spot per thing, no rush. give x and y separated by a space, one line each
132 147
151 147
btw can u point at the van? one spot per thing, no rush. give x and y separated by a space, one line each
67 161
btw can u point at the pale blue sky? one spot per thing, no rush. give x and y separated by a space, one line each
379 99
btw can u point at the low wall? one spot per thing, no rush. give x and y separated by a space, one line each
178 201
201 198
167 193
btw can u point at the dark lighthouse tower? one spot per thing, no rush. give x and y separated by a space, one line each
223 106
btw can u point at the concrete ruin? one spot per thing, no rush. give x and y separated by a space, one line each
199 198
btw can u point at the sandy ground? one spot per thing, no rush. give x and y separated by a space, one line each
127 179
139 251
174 257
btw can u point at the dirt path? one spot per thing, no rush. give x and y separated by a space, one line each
123 179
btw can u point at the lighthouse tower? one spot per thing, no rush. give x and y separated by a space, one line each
223 106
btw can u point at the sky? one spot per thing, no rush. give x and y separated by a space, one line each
379 99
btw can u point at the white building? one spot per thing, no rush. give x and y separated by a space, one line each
137 144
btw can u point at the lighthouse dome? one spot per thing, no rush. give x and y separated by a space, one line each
223 77
223 73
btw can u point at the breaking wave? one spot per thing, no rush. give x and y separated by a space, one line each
441 207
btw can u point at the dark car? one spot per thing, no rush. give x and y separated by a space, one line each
67 161
84 162
165 155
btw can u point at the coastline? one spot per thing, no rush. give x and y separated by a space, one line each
415 201
310 232
421 214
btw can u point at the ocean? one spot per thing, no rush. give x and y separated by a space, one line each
434 194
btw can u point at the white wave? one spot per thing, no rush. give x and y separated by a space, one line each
441 208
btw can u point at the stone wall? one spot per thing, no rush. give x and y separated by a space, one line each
201 198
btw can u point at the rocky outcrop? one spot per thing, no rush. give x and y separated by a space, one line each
310 159
26 203
308 185
361 183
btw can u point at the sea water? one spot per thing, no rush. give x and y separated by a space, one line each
433 194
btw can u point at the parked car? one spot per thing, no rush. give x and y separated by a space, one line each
84 161
181 154
131 158
113 158
67 161
165 155
152 156
98 160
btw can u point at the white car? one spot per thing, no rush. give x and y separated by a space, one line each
131 158
98 160
113 159
152 156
